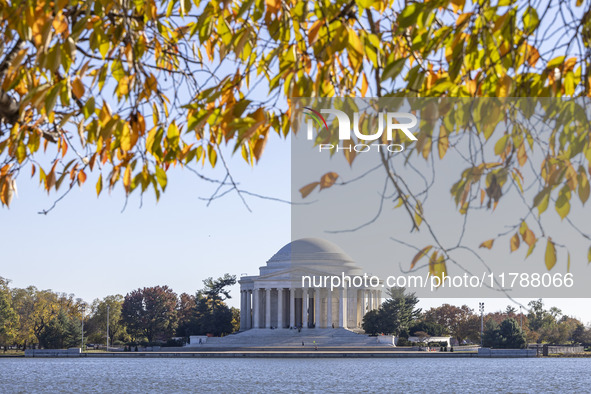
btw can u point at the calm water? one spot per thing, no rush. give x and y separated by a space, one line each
288 375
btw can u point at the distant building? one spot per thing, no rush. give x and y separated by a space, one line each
276 298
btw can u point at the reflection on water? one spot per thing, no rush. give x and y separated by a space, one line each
287 375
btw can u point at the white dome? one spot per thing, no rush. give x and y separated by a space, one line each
312 254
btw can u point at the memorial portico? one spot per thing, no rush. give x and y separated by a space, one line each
277 299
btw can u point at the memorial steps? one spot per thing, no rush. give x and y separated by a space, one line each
337 337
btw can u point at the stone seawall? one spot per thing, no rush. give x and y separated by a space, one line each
507 353
72 352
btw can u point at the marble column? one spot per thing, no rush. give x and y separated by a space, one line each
268 308
317 308
242 310
363 310
379 297
248 310
279 308
257 310
370 300
342 308
292 307
328 308
305 308
375 300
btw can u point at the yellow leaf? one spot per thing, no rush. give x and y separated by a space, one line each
514 242
306 190
550 254
504 86
127 178
487 244
437 266
355 42
443 142
328 179
99 185
123 86
78 88
125 138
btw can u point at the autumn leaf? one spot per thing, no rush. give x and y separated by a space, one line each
487 244
514 242
306 190
78 88
423 252
550 256
328 179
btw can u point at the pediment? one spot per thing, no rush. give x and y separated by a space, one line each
291 274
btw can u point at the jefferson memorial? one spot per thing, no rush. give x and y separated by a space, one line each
277 298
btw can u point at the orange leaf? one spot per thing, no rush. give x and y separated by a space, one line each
328 179
314 31
529 237
81 178
532 55
306 190
521 155
364 85
78 88
418 256
514 242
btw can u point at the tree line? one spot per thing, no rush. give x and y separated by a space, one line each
399 316
31 318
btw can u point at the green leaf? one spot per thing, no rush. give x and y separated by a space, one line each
501 144
363 4
530 19
117 70
583 186
557 61
550 254
392 69
173 134
563 204
410 14
541 200
88 109
104 45
212 154
161 177
51 98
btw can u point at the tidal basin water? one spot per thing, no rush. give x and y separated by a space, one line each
183 375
